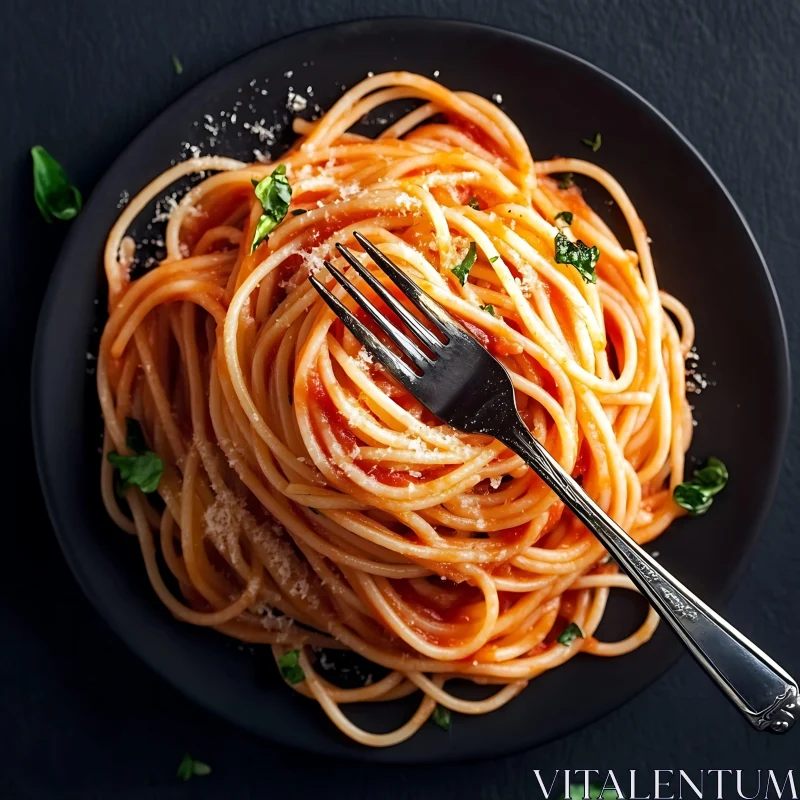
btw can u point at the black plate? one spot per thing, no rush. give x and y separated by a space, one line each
704 254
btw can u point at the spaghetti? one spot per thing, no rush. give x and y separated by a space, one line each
307 500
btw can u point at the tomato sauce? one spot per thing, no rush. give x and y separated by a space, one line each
543 377
459 597
538 649
332 419
476 134
510 536
497 345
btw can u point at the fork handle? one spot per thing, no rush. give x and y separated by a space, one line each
756 685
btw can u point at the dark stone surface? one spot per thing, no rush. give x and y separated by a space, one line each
79 716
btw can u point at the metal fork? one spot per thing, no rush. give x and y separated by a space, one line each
466 387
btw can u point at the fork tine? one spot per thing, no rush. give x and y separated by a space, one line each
376 348
405 344
411 322
426 304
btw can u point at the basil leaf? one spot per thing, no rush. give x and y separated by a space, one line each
289 665
493 259
275 193
474 203
570 634
190 767
693 498
565 216
712 477
488 308
177 66
594 143
566 181
55 196
264 227
185 768
442 717
462 270
581 256
298 211
697 494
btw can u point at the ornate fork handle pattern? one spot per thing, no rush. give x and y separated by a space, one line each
679 604
762 691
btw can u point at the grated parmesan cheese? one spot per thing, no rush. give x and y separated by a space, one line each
364 359
406 201
227 520
265 134
350 190
314 259
295 102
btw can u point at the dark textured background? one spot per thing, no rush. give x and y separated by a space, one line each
80 717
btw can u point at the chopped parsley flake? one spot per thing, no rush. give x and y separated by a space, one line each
289 665
189 767
442 717
593 143
143 468
567 179
579 255
565 216
570 634
462 270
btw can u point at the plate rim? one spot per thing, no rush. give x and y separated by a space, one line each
58 272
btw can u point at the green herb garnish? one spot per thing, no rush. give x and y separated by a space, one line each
462 270
565 216
594 143
576 792
143 468
493 259
298 211
488 308
473 203
580 255
441 716
189 767
697 494
55 196
289 665
275 194
177 66
570 634
566 181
